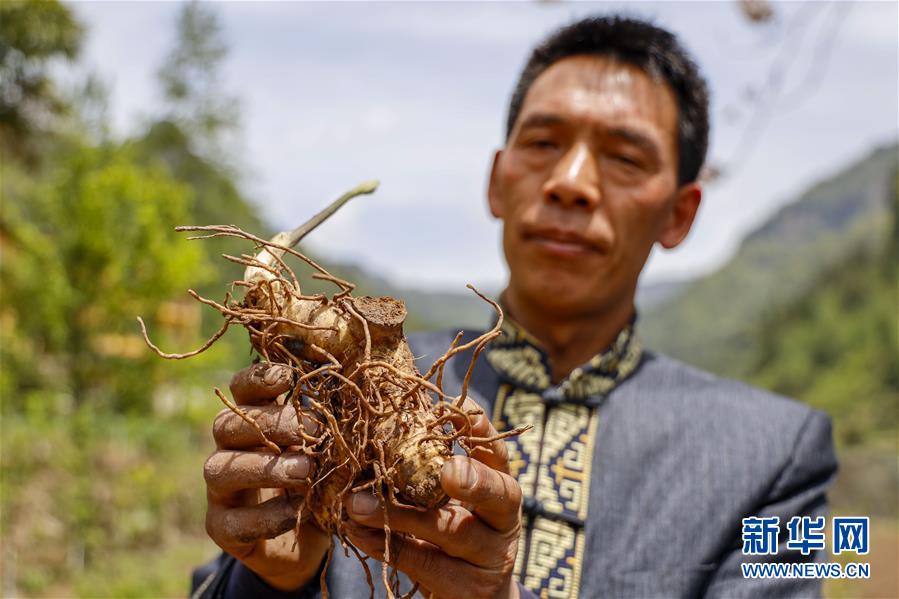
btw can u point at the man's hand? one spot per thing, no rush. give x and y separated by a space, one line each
254 495
465 549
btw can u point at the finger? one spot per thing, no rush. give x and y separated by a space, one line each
279 423
228 472
260 383
493 495
426 564
235 529
493 453
456 530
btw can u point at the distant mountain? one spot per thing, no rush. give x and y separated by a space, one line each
835 347
712 322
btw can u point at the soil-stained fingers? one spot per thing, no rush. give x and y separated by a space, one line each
260 383
457 531
228 473
279 423
237 529
491 494
433 569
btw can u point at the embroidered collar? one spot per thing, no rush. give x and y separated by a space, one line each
520 360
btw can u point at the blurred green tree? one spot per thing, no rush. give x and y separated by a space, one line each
101 439
93 246
217 199
33 33
191 80
190 139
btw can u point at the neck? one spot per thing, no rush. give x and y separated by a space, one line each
570 339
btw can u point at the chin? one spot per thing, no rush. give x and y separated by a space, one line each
559 294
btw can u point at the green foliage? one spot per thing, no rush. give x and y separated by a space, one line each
87 502
94 247
102 442
217 197
32 34
216 200
712 321
835 347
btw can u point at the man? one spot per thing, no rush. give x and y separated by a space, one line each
638 471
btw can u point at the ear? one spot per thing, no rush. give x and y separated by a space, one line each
494 198
683 213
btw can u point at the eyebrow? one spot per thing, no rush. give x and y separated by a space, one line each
542 119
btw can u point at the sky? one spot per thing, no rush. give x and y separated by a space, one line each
415 94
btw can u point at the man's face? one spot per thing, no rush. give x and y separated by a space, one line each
587 183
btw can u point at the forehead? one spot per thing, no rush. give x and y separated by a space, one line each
602 91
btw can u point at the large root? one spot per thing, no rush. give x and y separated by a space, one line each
383 425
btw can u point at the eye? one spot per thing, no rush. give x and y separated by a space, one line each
625 160
630 162
542 144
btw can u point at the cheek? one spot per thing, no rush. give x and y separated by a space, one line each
640 217
518 180
518 198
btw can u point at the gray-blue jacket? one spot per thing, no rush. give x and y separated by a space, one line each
680 458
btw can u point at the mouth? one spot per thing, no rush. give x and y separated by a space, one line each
562 242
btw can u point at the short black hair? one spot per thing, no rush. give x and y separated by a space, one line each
655 51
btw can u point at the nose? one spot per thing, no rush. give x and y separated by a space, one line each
574 181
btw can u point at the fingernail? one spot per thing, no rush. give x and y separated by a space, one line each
364 504
276 373
295 466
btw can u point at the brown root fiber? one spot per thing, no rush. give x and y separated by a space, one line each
384 426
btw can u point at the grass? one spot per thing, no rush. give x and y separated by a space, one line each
100 505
